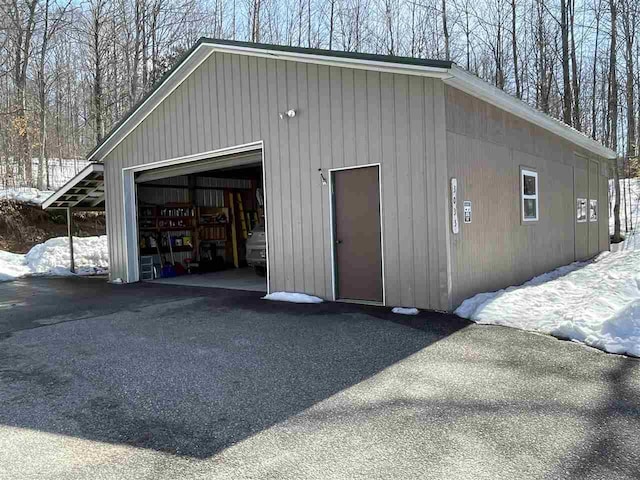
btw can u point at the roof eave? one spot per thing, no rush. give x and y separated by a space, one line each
463 80
448 72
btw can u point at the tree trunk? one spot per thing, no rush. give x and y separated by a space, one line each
23 50
514 46
566 83
445 31
629 35
97 73
42 97
613 118
575 80
594 110
331 23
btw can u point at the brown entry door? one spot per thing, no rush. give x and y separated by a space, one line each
357 236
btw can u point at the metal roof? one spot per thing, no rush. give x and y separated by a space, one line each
85 191
447 71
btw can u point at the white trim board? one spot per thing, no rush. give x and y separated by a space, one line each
130 201
454 76
333 233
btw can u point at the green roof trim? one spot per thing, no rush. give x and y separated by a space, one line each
367 57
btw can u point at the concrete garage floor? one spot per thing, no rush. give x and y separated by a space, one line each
152 381
234 279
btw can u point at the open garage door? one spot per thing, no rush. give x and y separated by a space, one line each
200 223
201 166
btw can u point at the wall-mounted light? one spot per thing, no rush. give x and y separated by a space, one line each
324 180
288 114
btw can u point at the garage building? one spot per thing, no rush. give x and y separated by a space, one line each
384 180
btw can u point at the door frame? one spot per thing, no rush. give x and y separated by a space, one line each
130 201
332 226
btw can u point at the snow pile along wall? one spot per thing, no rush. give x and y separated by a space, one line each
596 303
53 258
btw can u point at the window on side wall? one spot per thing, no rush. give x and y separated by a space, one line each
529 194
593 210
581 210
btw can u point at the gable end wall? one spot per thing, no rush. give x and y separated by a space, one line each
345 117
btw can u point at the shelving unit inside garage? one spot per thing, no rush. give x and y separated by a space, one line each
203 219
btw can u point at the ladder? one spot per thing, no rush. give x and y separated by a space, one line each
243 225
243 218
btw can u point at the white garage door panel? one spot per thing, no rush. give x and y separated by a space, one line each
200 166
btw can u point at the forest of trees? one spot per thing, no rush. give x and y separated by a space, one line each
70 69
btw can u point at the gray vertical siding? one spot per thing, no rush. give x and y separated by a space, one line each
421 133
345 117
486 147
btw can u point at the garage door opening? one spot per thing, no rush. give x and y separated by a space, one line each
203 223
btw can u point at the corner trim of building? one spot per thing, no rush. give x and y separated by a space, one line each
442 182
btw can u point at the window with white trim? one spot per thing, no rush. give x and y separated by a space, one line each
529 194
593 210
581 210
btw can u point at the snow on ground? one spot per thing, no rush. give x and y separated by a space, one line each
53 258
596 303
12 266
60 171
292 297
25 195
405 311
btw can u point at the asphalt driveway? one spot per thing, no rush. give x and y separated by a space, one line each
163 382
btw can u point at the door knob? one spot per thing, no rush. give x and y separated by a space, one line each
338 242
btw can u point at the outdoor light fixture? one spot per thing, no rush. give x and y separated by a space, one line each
324 180
288 114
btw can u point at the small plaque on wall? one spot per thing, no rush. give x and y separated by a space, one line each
467 211
455 227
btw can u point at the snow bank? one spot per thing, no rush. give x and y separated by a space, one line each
405 311
12 266
632 206
90 255
596 303
32 196
292 297
60 170
52 257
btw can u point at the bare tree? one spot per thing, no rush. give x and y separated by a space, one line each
23 21
61 91
613 116
445 31
575 76
566 82
98 15
514 48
